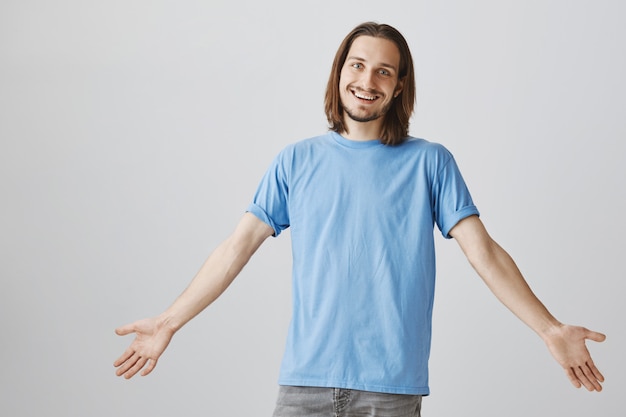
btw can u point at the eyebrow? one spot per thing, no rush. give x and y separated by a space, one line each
382 64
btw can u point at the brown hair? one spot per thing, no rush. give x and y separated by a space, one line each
396 123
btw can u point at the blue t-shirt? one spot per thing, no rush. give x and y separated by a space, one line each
361 216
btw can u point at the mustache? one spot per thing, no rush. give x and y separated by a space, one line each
370 91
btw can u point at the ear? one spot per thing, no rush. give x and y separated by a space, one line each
399 87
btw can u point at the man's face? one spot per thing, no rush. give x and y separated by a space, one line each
369 78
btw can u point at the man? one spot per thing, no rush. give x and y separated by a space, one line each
361 202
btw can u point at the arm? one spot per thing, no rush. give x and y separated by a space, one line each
498 270
220 269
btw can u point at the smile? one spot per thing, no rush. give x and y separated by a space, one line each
364 96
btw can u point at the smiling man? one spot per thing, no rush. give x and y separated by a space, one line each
361 202
369 81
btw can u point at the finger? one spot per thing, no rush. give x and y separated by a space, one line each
595 336
126 329
124 357
595 381
573 378
150 365
135 368
125 366
583 378
596 373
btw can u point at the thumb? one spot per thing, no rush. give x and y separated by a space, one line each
595 336
124 330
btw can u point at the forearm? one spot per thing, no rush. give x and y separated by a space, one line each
217 272
498 270
504 279
215 275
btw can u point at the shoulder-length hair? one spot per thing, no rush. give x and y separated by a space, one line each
396 123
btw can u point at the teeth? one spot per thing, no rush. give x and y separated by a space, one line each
364 97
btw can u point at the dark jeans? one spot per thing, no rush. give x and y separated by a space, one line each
337 402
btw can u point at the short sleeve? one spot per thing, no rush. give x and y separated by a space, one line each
452 198
270 202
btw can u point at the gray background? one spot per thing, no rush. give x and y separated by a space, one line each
133 134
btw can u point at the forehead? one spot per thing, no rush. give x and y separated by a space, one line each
375 50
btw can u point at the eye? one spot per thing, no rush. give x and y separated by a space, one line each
384 72
357 65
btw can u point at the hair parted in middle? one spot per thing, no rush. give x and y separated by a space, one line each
396 123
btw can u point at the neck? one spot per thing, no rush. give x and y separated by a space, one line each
362 131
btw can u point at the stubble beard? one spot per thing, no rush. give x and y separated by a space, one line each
367 118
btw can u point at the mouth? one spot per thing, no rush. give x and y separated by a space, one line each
361 95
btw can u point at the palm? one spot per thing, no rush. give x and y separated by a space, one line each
151 340
568 347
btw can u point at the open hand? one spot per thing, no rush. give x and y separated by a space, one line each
567 345
152 337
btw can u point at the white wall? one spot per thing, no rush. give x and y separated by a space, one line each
133 134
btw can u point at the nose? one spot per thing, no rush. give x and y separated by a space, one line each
367 80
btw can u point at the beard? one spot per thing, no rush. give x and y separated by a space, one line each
367 117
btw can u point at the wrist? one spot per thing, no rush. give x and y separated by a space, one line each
550 330
169 322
